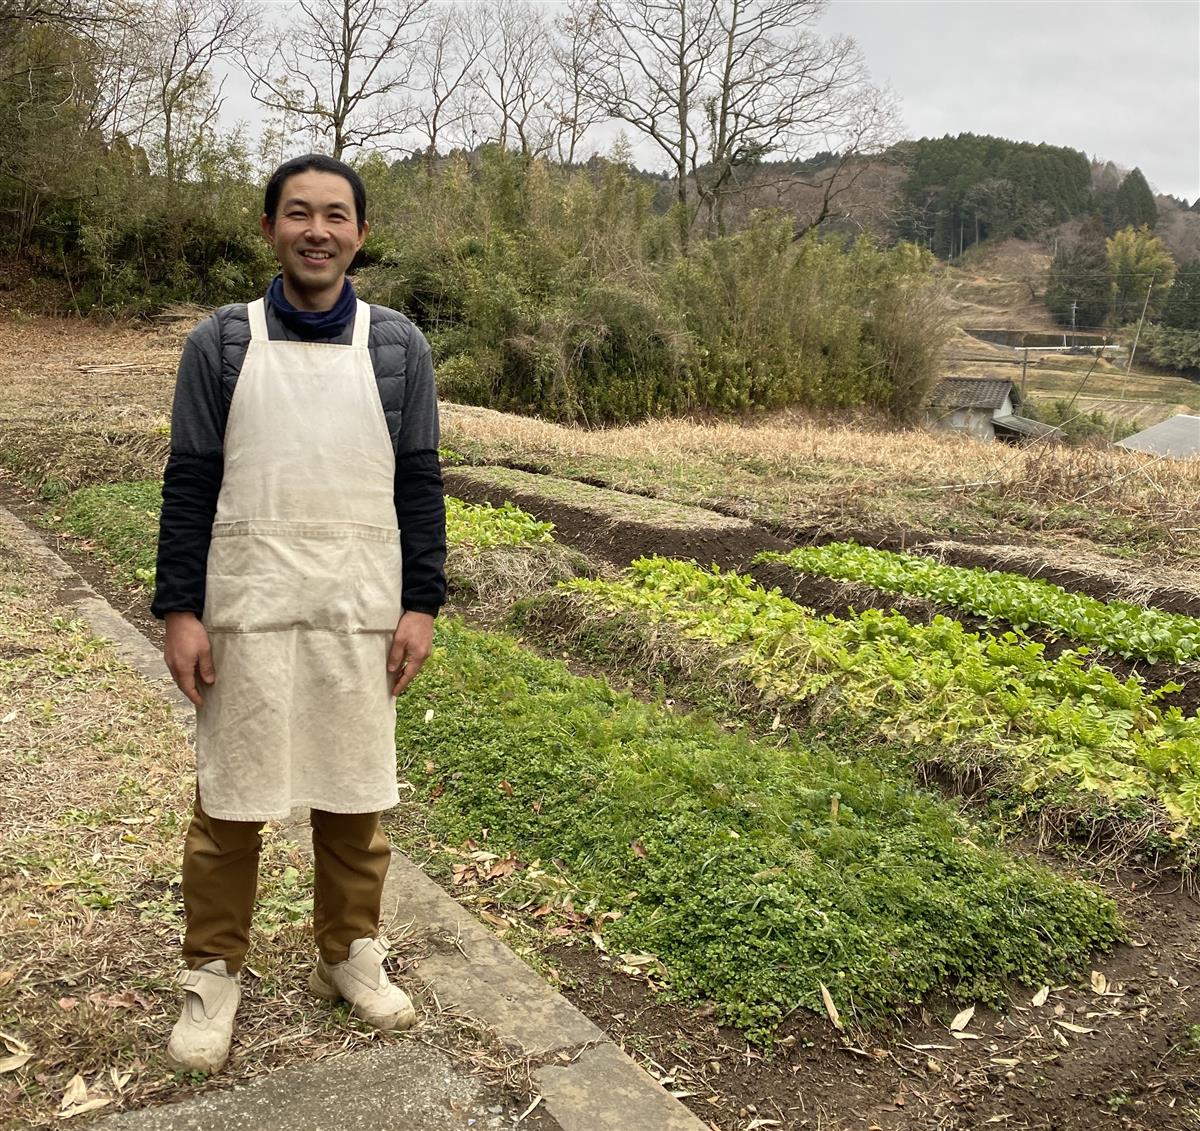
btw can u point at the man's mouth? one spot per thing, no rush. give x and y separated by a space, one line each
317 256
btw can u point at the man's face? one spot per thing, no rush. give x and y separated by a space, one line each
315 233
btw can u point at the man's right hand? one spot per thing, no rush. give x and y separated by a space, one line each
189 654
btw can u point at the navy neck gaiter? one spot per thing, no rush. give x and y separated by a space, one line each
314 323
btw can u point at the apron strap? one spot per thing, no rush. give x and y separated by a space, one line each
257 310
362 325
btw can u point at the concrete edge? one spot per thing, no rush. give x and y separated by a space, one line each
587 1082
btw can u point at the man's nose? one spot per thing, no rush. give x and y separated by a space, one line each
317 228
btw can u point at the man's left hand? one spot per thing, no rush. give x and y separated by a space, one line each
411 644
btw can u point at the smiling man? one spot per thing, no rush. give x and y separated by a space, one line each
300 567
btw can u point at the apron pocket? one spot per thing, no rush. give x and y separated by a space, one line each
340 577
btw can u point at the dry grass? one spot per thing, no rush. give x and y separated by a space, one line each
95 787
608 506
490 579
64 425
805 472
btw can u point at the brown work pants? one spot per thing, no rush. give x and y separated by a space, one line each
220 881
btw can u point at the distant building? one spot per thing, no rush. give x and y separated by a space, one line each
986 408
1178 438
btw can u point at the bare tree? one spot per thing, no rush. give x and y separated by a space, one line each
574 113
187 37
779 90
446 69
515 76
649 61
344 68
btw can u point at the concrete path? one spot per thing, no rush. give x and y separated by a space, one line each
584 1082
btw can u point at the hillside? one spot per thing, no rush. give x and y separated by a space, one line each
1001 287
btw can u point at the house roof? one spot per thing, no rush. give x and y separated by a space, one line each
1026 427
972 392
1178 437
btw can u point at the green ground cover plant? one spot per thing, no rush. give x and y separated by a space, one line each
1131 631
1055 733
754 872
120 522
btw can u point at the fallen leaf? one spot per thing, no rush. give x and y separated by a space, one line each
9 717
88 1105
545 909
830 1008
1073 1028
962 1019
76 1092
1099 982
1040 997
638 959
1007 1061
966 1036
506 788
497 921
639 849
6 976
429 715
15 1044
754 1124
66 1004
17 1060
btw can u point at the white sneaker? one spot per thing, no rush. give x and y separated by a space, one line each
362 982
200 1040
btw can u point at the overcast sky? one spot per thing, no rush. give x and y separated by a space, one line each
1119 80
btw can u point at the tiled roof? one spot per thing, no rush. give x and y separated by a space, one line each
1179 437
970 392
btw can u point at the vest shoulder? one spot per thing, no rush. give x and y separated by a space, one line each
233 320
390 327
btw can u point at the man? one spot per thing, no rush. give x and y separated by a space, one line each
303 471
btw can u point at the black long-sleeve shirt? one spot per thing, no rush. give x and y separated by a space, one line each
208 372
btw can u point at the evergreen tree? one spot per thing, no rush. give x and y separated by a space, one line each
1182 307
1079 275
1135 202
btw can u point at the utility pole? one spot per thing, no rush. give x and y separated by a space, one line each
1138 333
1024 365
1074 304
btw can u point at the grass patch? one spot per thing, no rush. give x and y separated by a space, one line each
119 522
753 872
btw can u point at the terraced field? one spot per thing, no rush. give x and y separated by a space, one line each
829 835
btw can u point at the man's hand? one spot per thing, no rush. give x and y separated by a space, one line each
411 644
189 654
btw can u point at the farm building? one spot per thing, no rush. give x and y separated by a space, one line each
1178 437
983 407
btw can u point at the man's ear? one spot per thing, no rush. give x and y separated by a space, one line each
362 234
267 226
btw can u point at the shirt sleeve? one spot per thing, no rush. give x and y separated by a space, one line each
192 479
420 502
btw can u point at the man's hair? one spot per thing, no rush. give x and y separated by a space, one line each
322 164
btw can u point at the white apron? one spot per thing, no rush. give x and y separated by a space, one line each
303 588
